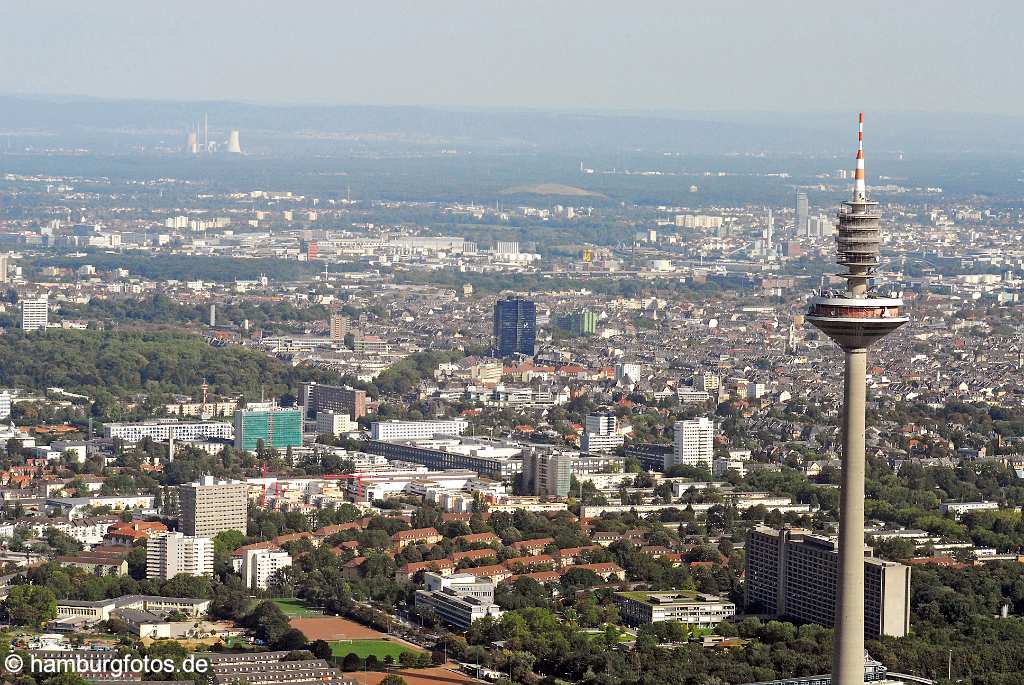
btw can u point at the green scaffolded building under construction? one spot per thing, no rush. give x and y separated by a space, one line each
275 426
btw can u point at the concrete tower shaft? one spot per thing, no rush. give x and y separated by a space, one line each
854 320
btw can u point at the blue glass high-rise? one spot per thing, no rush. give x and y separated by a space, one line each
515 327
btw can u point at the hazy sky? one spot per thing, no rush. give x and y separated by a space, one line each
628 54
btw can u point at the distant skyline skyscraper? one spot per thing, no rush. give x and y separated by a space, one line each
854 320
800 225
515 327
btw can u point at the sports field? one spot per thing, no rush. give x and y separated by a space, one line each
364 648
331 628
296 607
419 676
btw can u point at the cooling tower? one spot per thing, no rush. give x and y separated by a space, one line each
192 143
233 145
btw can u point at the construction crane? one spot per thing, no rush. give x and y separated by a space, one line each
357 477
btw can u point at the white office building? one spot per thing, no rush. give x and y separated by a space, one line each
458 599
258 565
35 314
415 430
170 554
601 424
639 608
694 443
600 434
721 467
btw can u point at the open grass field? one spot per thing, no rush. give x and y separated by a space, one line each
296 607
364 648
419 676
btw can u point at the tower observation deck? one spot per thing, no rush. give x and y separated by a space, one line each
858 317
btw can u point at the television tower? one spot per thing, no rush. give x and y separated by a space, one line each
854 320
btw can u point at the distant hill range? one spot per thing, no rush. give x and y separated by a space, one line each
571 132
556 189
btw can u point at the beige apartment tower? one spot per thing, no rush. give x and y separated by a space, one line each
339 325
209 507
793 573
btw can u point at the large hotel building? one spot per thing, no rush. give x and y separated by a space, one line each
793 573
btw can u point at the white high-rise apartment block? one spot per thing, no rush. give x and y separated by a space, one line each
162 430
259 564
209 507
35 314
5 404
334 423
707 381
694 443
3 268
416 430
697 221
170 554
626 372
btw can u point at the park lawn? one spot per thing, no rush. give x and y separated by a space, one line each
296 607
364 648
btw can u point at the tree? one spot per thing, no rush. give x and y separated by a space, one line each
392 679
66 679
321 649
230 600
267 622
62 543
351 662
137 561
31 605
184 585
227 541
290 639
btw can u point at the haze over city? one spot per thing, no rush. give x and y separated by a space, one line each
403 343
659 55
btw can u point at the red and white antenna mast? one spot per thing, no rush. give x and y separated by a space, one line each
860 192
